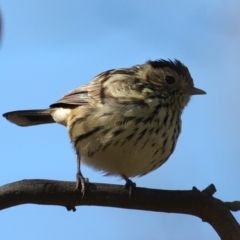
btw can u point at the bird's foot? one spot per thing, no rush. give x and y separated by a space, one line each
130 185
81 183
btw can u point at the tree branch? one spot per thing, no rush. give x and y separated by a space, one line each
193 202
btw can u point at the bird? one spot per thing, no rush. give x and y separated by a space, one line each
125 122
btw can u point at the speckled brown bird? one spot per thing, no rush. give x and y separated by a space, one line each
125 122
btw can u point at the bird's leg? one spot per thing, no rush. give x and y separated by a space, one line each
130 185
81 181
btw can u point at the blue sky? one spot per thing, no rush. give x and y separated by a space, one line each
51 47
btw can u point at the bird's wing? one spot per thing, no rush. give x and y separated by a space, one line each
76 97
83 95
116 83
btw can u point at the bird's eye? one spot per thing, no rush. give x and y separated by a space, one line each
170 80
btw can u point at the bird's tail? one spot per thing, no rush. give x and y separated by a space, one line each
26 118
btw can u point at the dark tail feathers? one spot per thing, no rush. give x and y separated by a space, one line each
26 118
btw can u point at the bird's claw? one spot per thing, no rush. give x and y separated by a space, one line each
130 186
81 184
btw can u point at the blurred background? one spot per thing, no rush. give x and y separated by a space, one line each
51 47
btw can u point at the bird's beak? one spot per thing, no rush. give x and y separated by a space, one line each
195 91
